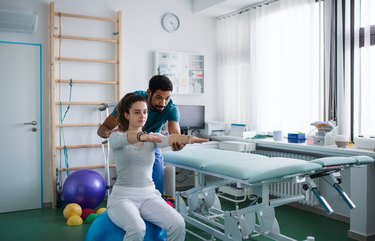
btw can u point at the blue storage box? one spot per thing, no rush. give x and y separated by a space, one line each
296 137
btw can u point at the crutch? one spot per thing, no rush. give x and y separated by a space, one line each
104 107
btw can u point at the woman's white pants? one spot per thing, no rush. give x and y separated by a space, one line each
129 207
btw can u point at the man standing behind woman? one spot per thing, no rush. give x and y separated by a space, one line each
134 197
161 110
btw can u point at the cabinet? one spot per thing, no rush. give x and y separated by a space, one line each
185 70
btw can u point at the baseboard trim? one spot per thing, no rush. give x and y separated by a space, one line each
321 212
47 205
360 237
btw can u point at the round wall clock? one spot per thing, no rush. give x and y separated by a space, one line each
170 22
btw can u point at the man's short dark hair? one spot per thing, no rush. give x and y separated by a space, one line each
160 82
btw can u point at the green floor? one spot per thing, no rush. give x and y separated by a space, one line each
49 224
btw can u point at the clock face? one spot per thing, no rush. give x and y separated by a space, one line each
170 22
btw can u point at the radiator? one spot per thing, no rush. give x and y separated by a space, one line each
285 189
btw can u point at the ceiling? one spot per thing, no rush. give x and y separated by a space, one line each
217 8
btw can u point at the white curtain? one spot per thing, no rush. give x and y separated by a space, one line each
234 61
366 86
269 66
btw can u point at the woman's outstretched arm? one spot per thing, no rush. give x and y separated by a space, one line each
185 139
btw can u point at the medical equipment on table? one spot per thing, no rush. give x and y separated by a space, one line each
237 129
323 134
255 173
296 137
214 128
237 146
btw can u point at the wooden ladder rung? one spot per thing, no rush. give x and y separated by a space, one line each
105 61
78 125
80 146
70 15
82 103
97 82
84 167
108 40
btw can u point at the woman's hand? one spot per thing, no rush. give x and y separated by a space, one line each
177 141
193 139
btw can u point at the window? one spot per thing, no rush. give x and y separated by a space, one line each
270 66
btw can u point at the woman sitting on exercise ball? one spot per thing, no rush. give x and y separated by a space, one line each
134 197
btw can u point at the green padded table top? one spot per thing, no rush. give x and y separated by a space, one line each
248 167
336 160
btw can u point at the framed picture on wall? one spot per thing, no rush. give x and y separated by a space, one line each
185 70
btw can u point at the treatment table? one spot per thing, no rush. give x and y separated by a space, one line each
200 206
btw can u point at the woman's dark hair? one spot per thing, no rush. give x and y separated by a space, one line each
124 106
160 82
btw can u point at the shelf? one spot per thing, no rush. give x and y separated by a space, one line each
299 147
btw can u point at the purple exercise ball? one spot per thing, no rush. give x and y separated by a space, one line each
87 188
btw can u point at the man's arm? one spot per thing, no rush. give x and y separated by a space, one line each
106 128
174 127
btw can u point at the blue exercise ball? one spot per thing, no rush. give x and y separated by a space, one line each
85 187
102 229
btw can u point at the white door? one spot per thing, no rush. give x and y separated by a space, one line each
20 122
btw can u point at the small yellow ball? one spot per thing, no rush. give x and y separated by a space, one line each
100 211
72 209
74 221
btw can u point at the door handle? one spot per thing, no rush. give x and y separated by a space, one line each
31 123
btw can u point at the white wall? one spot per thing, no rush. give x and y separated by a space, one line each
142 34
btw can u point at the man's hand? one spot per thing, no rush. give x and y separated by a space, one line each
109 132
107 127
177 146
